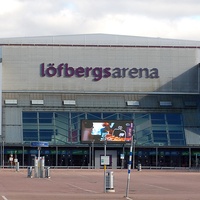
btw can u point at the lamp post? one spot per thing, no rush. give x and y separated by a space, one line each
130 161
129 167
2 153
105 142
134 143
92 154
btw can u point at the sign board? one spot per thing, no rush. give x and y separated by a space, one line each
105 160
39 144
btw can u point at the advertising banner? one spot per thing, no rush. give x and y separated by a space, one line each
106 130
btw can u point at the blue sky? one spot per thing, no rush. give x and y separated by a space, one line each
178 19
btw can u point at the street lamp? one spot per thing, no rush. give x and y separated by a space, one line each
129 166
104 167
2 153
132 148
134 143
92 154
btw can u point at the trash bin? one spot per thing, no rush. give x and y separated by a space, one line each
139 167
29 172
47 172
109 182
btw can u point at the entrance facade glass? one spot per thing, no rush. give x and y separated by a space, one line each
159 140
61 128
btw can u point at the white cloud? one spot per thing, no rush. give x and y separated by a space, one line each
155 18
9 6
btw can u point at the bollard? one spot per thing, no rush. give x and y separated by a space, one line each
36 167
41 168
47 172
29 172
17 166
139 167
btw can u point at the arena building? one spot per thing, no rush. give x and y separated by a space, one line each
84 93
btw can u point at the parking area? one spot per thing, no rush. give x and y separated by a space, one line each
89 184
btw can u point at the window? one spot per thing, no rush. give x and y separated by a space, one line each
45 134
30 135
173 118
110 116
160 136
158 118
94 116
65 127
29 117
45 117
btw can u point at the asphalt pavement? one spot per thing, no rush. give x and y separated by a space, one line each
82 184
